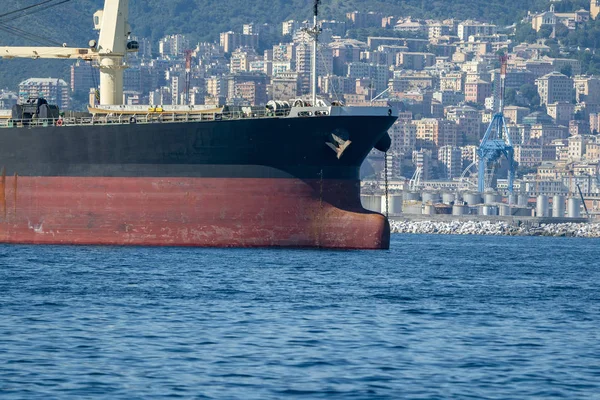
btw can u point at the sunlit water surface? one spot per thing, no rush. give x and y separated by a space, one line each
435 317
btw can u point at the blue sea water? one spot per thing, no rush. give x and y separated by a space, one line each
436 317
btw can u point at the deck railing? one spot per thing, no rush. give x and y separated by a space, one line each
148 118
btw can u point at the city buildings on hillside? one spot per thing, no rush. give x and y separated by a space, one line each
442 75
554 87
55 91
8 99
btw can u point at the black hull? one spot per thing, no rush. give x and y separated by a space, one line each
272 182
269 148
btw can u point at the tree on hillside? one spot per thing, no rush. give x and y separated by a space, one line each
510 97
590 62
561 31
524 33
545 32
571 5
530 93
567 70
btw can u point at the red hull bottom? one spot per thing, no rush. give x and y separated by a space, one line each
204 212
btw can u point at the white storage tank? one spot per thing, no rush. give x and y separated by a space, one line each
558 206
431 197
383 204
364 200
574 208
412 196
395 204
504 210
542 206
523 200
460 209
492 198
371 203
428 209
448 198
472 198
512 199
488 210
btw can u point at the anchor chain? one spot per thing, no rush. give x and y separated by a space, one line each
320 212
387 194
321 190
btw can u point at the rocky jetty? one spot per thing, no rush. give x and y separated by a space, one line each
496 228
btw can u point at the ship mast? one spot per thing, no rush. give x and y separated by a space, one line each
314 32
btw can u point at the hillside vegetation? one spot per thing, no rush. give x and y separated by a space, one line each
202 20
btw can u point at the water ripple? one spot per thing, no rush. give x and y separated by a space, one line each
435 317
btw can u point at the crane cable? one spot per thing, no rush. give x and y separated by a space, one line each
44 5
22 10
96 83
28 35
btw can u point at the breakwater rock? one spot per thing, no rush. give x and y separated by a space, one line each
495 228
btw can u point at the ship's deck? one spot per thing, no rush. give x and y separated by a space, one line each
150 117
142 118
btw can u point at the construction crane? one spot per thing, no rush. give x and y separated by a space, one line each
587 212
496 142
108 52
466 183
415 182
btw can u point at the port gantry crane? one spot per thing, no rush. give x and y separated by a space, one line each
496 142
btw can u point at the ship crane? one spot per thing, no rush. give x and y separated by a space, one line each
497 142
108 52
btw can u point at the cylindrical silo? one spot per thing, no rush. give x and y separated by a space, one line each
488 210
523 200
412 207
512 199
492 198
395 204
412 196
431 197
460 209
558 206
428 209
448 198
371 203
365 200
574 208
383 204
504 210
472 198
542 206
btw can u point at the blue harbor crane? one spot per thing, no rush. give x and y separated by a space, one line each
496 142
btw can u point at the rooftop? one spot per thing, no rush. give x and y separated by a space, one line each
43 81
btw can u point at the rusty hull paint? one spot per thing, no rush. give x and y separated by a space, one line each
3 192
204 212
